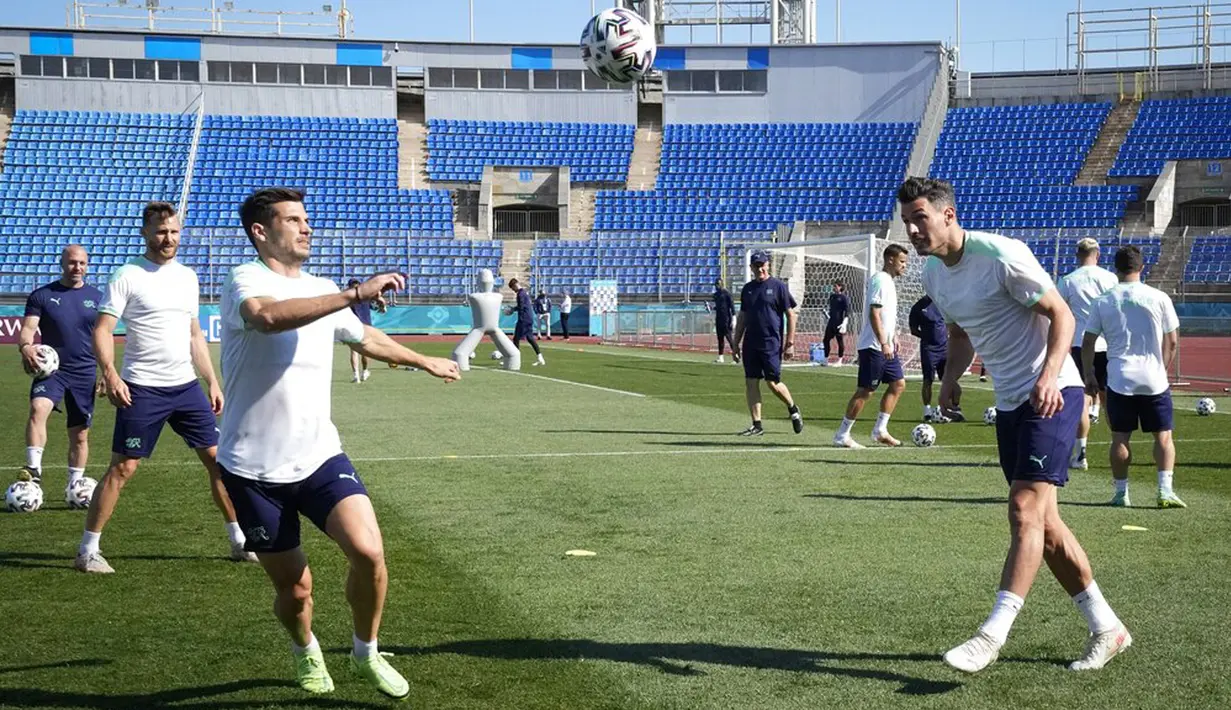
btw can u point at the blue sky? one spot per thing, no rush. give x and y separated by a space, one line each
997 35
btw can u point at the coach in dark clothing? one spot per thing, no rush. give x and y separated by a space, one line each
763 304
839 310
928 325
724 313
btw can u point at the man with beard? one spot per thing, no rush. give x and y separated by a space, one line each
157 298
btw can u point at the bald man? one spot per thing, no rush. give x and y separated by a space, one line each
63 312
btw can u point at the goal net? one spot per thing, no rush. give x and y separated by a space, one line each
810 270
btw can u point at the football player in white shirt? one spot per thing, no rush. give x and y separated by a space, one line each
280 453
1079 289
878 358
998 301
157 298
1142 332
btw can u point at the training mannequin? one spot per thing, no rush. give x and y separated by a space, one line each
485 313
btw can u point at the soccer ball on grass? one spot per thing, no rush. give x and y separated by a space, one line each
23 497
1206 406
923 435
989 416
79 494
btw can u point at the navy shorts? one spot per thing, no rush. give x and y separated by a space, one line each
523 331
269 513
933 364
76 391
875 370
1036 449
1100 367
185 408
763 365
1153 412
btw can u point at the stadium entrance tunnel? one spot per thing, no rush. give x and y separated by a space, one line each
525 219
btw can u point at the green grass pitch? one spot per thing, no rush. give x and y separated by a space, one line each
730 573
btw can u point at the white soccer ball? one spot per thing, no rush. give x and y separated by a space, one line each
923 435
23 497
989 416
497 355
618 46
79 494
48 361
1206 406
472 354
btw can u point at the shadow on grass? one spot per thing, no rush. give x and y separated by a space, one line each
677 658
83 663
735 443
651 368
630 431
43 560
192 698
937 499
909 464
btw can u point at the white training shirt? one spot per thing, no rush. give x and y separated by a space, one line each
566 306
884 293
1134 317
1079 289
276 427
157 304
989 294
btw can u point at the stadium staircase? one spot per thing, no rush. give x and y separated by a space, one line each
647 153
1168 272
6 123
1102 156
515 263
412 146
580 211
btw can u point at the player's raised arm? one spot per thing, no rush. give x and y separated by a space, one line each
268 315
379 346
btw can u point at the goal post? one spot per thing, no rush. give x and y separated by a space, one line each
810 269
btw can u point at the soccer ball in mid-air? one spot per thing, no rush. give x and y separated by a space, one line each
79 494
23 497
923 435
1206 406
48 361
989 416
618 46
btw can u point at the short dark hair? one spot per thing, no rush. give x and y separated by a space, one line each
157 209
892 251
514 283
939 193
352 283
1129 260
259 207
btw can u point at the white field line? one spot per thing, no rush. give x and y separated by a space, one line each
554 379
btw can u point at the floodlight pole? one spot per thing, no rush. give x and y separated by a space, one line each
837 21
472 21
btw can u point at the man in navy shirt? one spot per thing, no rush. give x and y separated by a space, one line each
525 321
763 304
363 311
839 309
724 313
928 325
64 311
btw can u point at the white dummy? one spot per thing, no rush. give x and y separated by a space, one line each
485 313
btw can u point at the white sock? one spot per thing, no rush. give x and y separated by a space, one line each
1081 444
1121 486
845 429
89 543
34 457
235 534
313 645
75 474
882 423
1099 616
1164 481
1004 612
927 409
1094 409
364 649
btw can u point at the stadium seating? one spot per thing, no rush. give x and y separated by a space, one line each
755 177
1175 129
594 152
1210 261
644 263
1013 167
1059 255
84 176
